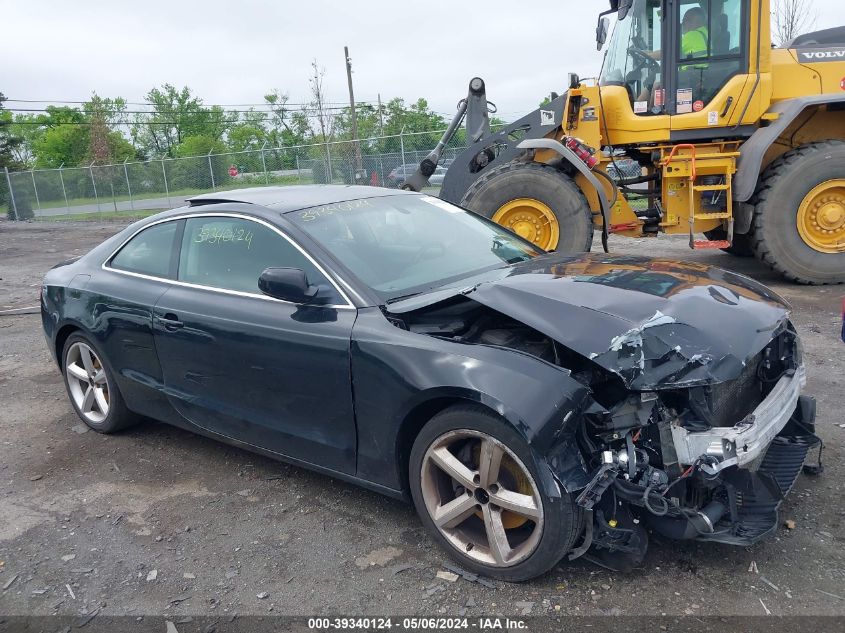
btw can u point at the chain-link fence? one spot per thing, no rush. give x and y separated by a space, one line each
134 187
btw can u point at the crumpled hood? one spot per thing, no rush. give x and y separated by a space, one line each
655 323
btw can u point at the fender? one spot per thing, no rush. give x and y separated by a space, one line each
755 148
570 156
393 376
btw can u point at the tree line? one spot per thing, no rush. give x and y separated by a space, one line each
175 122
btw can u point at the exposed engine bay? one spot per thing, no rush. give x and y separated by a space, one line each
688 461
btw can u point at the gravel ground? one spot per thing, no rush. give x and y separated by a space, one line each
157 521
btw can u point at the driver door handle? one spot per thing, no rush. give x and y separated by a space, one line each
170 321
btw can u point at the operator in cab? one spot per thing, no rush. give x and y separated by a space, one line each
694 34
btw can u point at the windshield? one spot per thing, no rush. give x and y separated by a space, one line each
403 245
633 57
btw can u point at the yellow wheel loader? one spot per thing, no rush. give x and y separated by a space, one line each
727 136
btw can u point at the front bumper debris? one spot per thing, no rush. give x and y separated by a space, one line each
744 443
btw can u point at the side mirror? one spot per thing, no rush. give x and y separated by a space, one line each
287 284
601 32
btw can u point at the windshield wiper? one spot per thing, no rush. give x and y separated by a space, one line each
403 297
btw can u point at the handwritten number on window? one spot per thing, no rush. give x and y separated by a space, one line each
217 235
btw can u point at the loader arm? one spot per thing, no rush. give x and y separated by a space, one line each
476 109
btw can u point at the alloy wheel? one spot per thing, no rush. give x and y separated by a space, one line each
482 498
87 382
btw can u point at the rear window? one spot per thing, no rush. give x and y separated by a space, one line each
150 252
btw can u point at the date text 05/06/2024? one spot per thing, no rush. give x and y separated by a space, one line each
416 623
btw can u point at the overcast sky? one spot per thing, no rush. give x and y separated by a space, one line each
235 51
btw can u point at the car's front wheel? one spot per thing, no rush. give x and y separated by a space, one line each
91 387
477 489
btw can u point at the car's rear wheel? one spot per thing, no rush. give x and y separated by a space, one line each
476 488
92 388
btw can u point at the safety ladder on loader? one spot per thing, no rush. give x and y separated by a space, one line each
722 165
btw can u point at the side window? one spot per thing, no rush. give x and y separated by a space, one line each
231 253
710 49
150 252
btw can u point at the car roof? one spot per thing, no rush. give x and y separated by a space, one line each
295 197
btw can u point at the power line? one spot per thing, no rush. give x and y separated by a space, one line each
203 105
90 123
187 113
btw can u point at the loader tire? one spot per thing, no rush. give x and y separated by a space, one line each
799 214
537 202
742 245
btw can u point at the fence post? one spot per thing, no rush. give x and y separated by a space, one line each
329 156
166 190
111 186
402 148
11 194
35 188
96 195
264 165
128 186
211 171
64 191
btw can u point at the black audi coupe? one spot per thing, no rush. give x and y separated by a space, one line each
534 406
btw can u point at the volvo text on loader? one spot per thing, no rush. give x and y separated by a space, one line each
737 140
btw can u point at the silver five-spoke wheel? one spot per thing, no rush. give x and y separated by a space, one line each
87 382
481 498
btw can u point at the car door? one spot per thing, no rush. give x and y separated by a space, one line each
119 302
246 366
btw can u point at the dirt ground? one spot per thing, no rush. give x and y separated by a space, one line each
157 521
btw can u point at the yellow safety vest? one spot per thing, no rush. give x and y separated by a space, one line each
694 43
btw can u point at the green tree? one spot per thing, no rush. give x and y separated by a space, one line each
8 141
417 117
105 145
27 128
249 133
368 122
63 135
62 138
192 170
64 144
176 115
199 146
8 146
285 126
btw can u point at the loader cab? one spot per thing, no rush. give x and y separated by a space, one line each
673 56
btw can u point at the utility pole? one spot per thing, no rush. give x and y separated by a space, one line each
358 162
380 117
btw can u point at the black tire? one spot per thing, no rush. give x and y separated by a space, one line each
742 245
562 522
119 417
780 191
544 183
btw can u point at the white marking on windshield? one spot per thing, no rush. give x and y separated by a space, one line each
442 204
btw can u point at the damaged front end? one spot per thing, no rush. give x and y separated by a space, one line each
706 462
694 425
